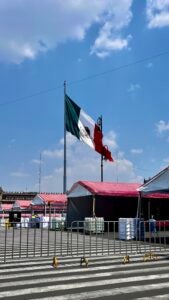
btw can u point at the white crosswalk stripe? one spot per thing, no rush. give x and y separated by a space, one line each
164 297
105 278
28 272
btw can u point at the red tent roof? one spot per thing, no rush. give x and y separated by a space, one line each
4 215
22 204
109 188
6 206
53 198
114 189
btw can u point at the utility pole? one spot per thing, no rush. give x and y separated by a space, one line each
40 172
64 162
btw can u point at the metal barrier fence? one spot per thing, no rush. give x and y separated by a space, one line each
81 238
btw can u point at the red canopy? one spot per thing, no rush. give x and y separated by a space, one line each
53 198
6 206
112 189
22 204
108 188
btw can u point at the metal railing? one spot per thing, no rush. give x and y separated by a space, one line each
81 238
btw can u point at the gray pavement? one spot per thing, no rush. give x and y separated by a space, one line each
106 277
28 272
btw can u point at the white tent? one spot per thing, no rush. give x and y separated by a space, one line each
157 184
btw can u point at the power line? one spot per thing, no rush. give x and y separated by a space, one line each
20 99
120 67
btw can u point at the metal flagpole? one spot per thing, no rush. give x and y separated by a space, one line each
99 123
40 172
64 163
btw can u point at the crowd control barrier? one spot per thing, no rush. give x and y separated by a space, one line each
81 238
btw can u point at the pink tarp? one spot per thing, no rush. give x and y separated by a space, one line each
53 198
54 201
6 206
114 189
109 188
22 204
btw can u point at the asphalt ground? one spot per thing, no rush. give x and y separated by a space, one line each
28 272
106 277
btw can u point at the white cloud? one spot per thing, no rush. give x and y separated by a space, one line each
108 41
149 65
110 139
162 126
71 140
157 13
88 168
37 161
133 87
166 160
136 151
19 174
110 35
58 153
84 164
11 143
28 28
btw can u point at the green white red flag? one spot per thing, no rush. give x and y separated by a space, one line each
79 124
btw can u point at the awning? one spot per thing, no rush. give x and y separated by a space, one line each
47 199
6 207
21 204
86 188
157 184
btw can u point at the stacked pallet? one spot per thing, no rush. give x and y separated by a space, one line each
94 225
127 228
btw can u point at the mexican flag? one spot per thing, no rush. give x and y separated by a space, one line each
84 128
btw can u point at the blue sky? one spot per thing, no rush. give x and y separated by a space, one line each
44 42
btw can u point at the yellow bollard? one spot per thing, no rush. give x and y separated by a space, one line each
126 259
7 224
154 256
85 261
149 256
55 262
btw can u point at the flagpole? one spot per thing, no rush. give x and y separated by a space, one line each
99 122
40 172
101 127
64 162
